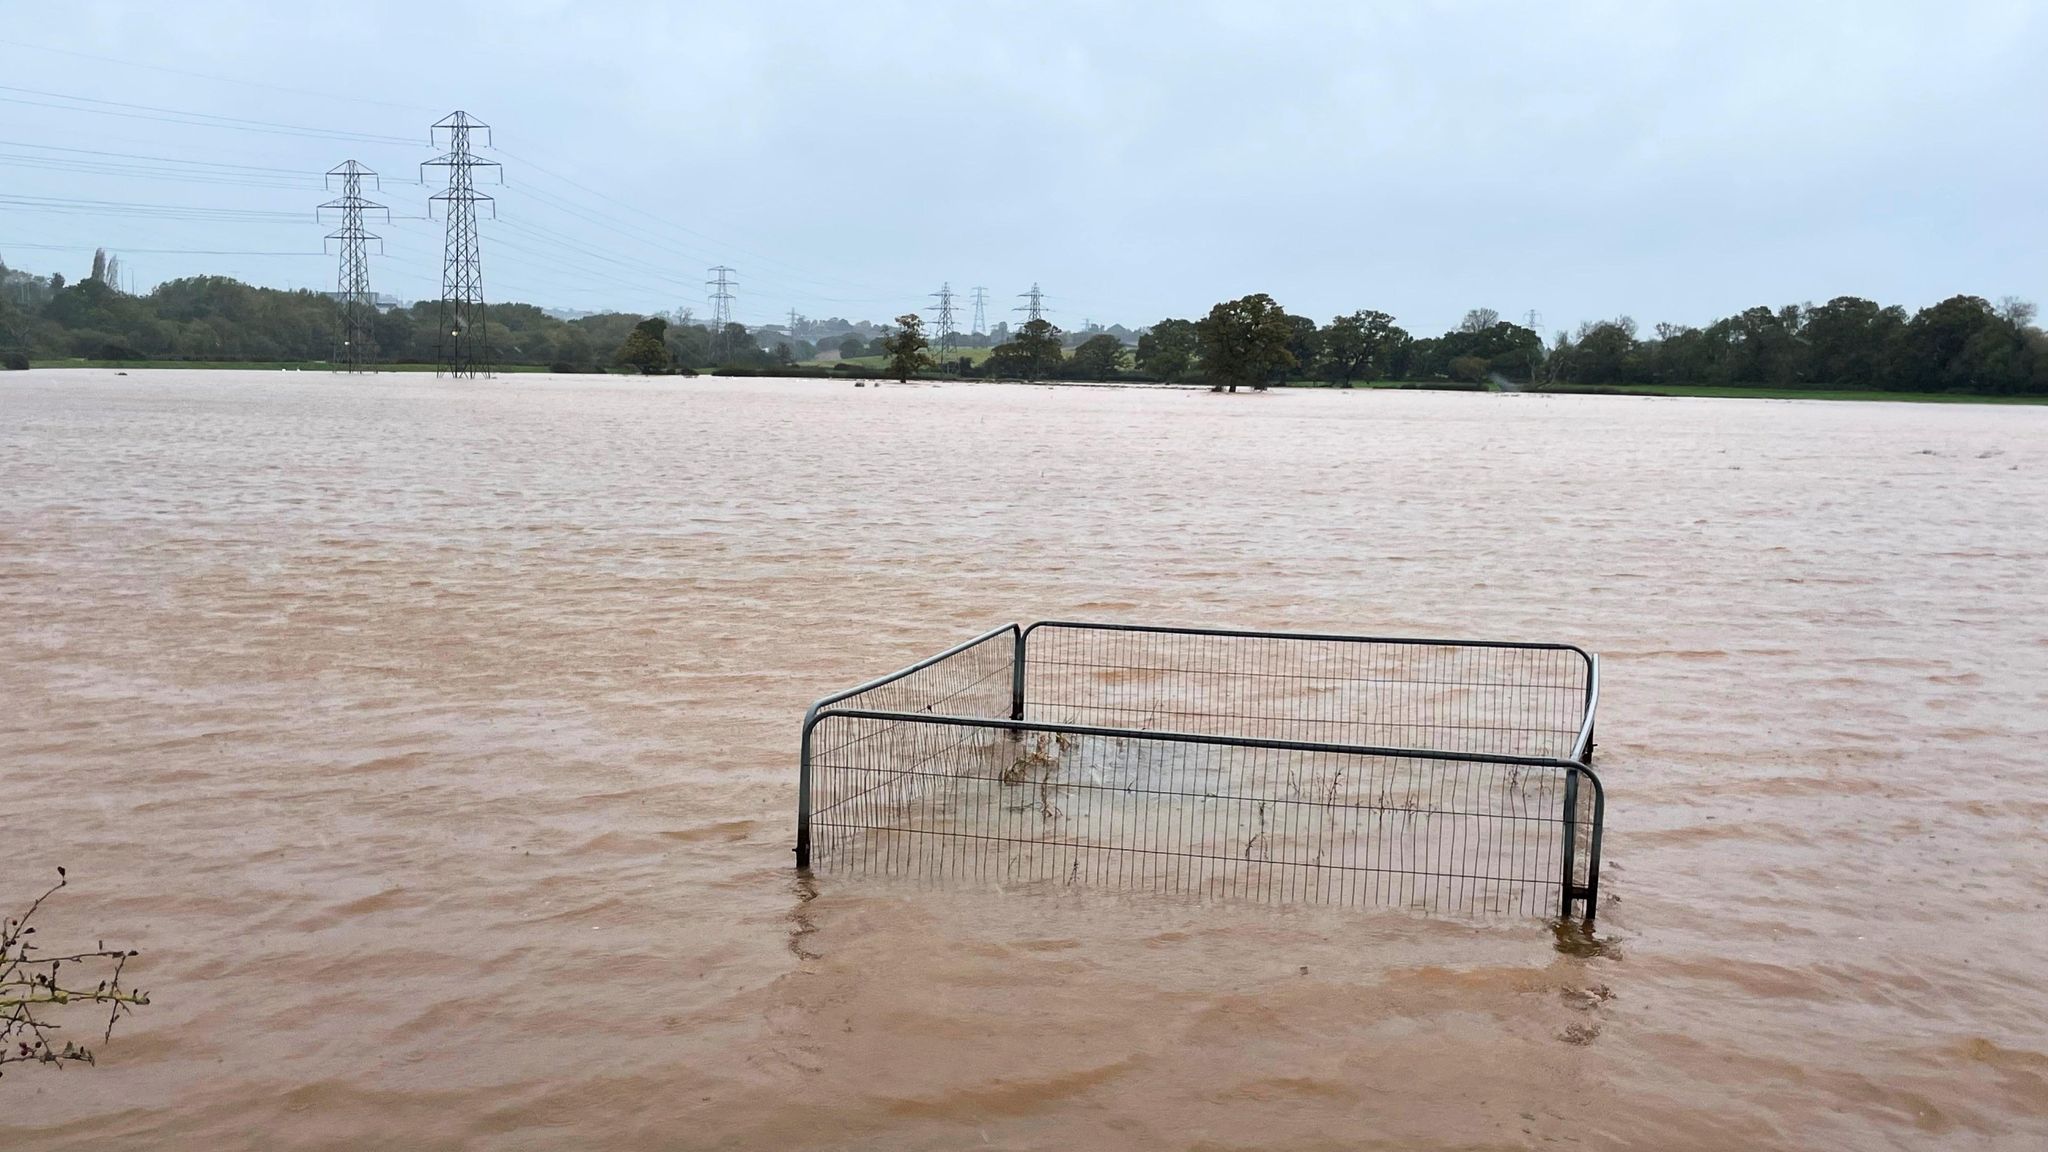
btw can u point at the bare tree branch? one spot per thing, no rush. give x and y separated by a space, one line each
33 988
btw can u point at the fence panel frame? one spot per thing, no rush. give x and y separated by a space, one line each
1577 766
1589 693
803 809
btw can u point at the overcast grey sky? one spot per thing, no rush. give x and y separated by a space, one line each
1672 162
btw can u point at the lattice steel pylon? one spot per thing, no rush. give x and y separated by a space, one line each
1033 306
942 324
464 339
980 311
721 285
355 349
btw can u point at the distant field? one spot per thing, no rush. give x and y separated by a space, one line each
1718 391
1712 391
256 365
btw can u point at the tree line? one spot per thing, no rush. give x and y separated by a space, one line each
216 318
1964 344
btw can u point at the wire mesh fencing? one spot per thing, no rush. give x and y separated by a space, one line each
1143 759
971 679
1516 700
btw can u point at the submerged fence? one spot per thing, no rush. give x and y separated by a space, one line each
1435 775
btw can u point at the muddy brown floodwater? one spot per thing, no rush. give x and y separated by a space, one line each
436 744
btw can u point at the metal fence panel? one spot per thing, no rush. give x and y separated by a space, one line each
1229 765
1017 802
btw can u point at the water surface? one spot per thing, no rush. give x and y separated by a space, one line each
436 744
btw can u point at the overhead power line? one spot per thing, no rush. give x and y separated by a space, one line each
691 246
21 162
159 159
6 245
797 283
74 53
666 223
75 206
100 107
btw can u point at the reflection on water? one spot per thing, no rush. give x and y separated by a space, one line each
1577 939
801 925
436 744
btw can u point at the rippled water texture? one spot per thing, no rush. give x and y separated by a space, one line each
436 743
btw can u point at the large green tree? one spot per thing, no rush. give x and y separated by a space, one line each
1847 339
1244 343
646 347
1498 345
907 348
689 345
1034 354
1960 345
1168 350
1359 347
1099 357
1304 343
732 344
1604 352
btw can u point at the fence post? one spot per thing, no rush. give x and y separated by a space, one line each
1593 849
1017 678
1571 820
803 796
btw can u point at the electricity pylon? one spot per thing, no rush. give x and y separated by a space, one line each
464 339
1034 304
721 285
355 351
944 321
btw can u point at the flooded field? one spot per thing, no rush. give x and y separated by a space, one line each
436 744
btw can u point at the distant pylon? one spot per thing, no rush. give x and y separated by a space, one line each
354 352
464 339
721 285
943 323
1034 304
980 311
